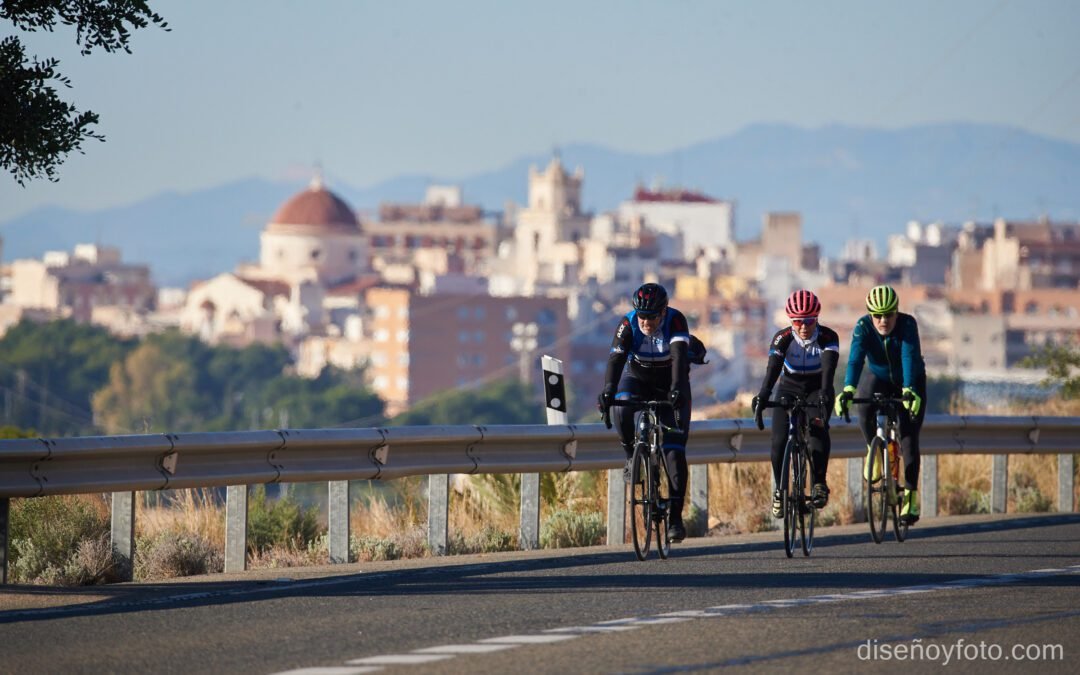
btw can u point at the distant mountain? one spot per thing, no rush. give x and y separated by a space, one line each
846 182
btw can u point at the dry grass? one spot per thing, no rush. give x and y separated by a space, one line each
188 512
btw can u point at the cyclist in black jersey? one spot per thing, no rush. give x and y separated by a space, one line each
649 360
803 357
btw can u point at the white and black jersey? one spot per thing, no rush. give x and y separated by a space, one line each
802 366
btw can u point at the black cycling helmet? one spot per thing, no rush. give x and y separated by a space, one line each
650 300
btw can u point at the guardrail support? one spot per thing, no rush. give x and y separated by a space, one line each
337 516
928 490
236 503
5 531
529 532
616 508
699 500
999 484
1065 483
856 498
438 513
123 532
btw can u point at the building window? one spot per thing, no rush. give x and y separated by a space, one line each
479 313
463 336
511 313
463 313
315 253
403 336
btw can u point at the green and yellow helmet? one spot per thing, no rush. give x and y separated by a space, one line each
882 300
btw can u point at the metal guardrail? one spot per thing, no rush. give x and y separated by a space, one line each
124 464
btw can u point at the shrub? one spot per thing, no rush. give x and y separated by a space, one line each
56 540
959 500
410 544
172 554
488 540
568 529
280 522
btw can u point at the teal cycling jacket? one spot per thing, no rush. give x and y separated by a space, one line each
896 357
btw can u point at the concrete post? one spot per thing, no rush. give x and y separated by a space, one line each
236 504
1065 483
999 484
5 531
856 497
123 532
338 521
699 500
438 513
928 488
616 508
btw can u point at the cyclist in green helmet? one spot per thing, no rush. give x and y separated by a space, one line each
888 341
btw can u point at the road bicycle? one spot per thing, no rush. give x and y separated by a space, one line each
799 510
884 490
650 482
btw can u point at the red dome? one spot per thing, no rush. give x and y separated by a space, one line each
315 207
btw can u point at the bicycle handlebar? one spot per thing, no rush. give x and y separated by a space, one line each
878 399
640 405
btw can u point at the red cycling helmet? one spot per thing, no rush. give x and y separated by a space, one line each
802 304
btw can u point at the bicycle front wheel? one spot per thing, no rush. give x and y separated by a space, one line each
877 491
807 511
791 500
662 505
640 504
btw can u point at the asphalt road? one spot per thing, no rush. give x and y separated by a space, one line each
976 593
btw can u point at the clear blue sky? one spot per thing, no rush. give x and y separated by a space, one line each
376 89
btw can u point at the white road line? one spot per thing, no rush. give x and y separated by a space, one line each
593 629
552 635
528 639
399 659
464 649
335 670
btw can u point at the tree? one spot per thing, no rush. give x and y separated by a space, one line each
505 402
48 373
149 392
1059 363
37 128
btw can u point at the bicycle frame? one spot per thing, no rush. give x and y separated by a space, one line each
796 464
889 485
649 468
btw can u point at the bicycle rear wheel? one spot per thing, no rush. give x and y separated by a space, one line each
791 500
662 505
640 506
807 512
899 527
877 491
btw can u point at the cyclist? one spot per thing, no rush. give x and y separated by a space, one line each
649 361
889 342
803 357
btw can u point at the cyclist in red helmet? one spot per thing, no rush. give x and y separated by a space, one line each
803 357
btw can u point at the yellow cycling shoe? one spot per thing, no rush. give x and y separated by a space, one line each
873 474
909 512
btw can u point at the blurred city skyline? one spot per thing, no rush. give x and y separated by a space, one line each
370 91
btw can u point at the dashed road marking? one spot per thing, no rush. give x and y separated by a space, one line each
553 635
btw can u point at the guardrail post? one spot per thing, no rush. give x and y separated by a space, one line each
928 490
856 498
123 532
5 530
236 503
616 508
529 532
438 513
1065 483
999 484
337 516
699 500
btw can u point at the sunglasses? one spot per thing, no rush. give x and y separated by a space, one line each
882 315
808 321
